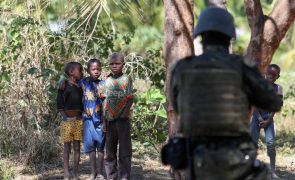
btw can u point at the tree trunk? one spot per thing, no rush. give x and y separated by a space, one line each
267 31
179 21
178 43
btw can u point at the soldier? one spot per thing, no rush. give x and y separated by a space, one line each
212 95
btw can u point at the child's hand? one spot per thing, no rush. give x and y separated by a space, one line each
125 114
104 128
263 124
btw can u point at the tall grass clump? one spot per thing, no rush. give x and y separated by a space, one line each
27 121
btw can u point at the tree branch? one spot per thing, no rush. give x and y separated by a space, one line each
267 31
254 14
255 18
178 43
275 28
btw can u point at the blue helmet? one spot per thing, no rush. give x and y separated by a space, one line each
215 19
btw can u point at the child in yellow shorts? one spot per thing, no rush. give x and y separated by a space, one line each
69 104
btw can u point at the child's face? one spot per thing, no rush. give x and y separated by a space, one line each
77 73
116 66
272 74
94 70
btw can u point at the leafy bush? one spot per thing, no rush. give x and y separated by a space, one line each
31 62
149 120
289 104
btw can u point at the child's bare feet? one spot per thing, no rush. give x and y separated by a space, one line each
92 177
99 177
76 176
67 176
274 175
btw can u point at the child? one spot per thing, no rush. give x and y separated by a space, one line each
69 104
263 119
119 99
93 135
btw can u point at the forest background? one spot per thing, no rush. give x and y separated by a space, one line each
38 37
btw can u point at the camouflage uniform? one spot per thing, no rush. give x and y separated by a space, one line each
221 148
212 95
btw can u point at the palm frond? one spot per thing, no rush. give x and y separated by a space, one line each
94 8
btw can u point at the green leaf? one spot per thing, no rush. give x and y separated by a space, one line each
161 113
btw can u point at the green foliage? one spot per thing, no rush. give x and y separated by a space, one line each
149 120
289 105
6 172
147 43
32 57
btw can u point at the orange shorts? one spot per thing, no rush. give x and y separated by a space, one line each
71 129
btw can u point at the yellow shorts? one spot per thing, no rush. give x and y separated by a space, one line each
71 129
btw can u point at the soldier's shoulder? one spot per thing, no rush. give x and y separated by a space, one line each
236 57
182 63
250 63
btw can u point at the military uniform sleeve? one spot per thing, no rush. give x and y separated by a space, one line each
260 92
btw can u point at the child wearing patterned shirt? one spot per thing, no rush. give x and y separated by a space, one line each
93 135
117 104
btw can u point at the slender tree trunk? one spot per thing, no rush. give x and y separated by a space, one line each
179 21
178 43
267 31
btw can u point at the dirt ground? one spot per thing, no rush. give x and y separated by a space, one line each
143 168
285 165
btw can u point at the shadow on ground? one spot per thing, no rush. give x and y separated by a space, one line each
142 169
285 174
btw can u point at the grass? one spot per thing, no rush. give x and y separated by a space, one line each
6 172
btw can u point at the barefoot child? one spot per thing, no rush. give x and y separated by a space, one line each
69 104
264 119
93 135
119 98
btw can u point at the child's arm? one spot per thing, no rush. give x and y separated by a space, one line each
104 122
127 108
258 114
60 100
264 124
130 97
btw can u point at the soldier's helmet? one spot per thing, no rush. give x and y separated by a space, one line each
215 19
